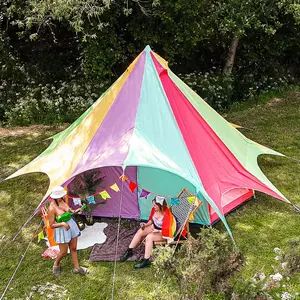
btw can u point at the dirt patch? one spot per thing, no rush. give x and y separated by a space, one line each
33 130
275 101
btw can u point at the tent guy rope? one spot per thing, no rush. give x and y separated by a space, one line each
19 264
117 243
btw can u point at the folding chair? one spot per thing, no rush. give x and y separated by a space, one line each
49 230
183 211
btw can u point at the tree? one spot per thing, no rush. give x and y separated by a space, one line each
176 27
235 18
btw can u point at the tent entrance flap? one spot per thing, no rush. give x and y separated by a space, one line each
161 182
110 207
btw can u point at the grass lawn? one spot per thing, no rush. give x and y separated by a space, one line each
258 227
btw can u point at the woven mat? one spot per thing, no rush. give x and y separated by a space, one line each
107 250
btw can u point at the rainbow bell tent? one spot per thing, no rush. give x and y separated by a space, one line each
154 129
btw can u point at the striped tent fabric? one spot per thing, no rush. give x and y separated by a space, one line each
152 127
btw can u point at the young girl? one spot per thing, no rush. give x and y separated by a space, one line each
65 233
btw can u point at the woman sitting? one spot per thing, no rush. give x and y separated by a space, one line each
161 226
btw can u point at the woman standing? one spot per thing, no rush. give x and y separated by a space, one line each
65 233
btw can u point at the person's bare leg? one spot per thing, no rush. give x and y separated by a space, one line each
139 236
63 250
73 251
152 237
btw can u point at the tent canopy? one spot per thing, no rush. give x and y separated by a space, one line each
151 125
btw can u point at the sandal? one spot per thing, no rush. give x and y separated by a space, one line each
56 270
82 271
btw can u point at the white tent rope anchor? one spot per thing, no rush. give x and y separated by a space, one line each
117 243
17 267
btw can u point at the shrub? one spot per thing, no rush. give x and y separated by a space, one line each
53 103
247 86
202 266
245 289
291 258
13 76
221 91
214 87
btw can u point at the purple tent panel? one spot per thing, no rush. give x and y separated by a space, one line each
111 207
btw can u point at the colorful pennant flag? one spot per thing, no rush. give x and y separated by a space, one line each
191 199
115 187
105 195
91 199
77 201
144 194
175 201
123 177
41 236
192 217
132 186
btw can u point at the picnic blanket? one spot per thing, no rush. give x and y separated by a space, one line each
107 250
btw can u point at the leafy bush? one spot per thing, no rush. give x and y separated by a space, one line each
264 286
220 91
247 86
202 266
291 258
13 76
25 99
245 288
205 268
53 103
213 86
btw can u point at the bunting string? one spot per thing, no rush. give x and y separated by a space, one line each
132 186
144 193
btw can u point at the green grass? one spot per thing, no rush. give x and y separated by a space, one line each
265 223
18 199
258 226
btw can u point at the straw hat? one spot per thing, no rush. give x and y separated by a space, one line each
58 192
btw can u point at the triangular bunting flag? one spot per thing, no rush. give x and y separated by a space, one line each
132 186
123 177
174 201
115 187
77 201
191 199
144 194
41 236
192 217
105 195
91 199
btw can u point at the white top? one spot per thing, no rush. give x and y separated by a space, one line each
157 222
